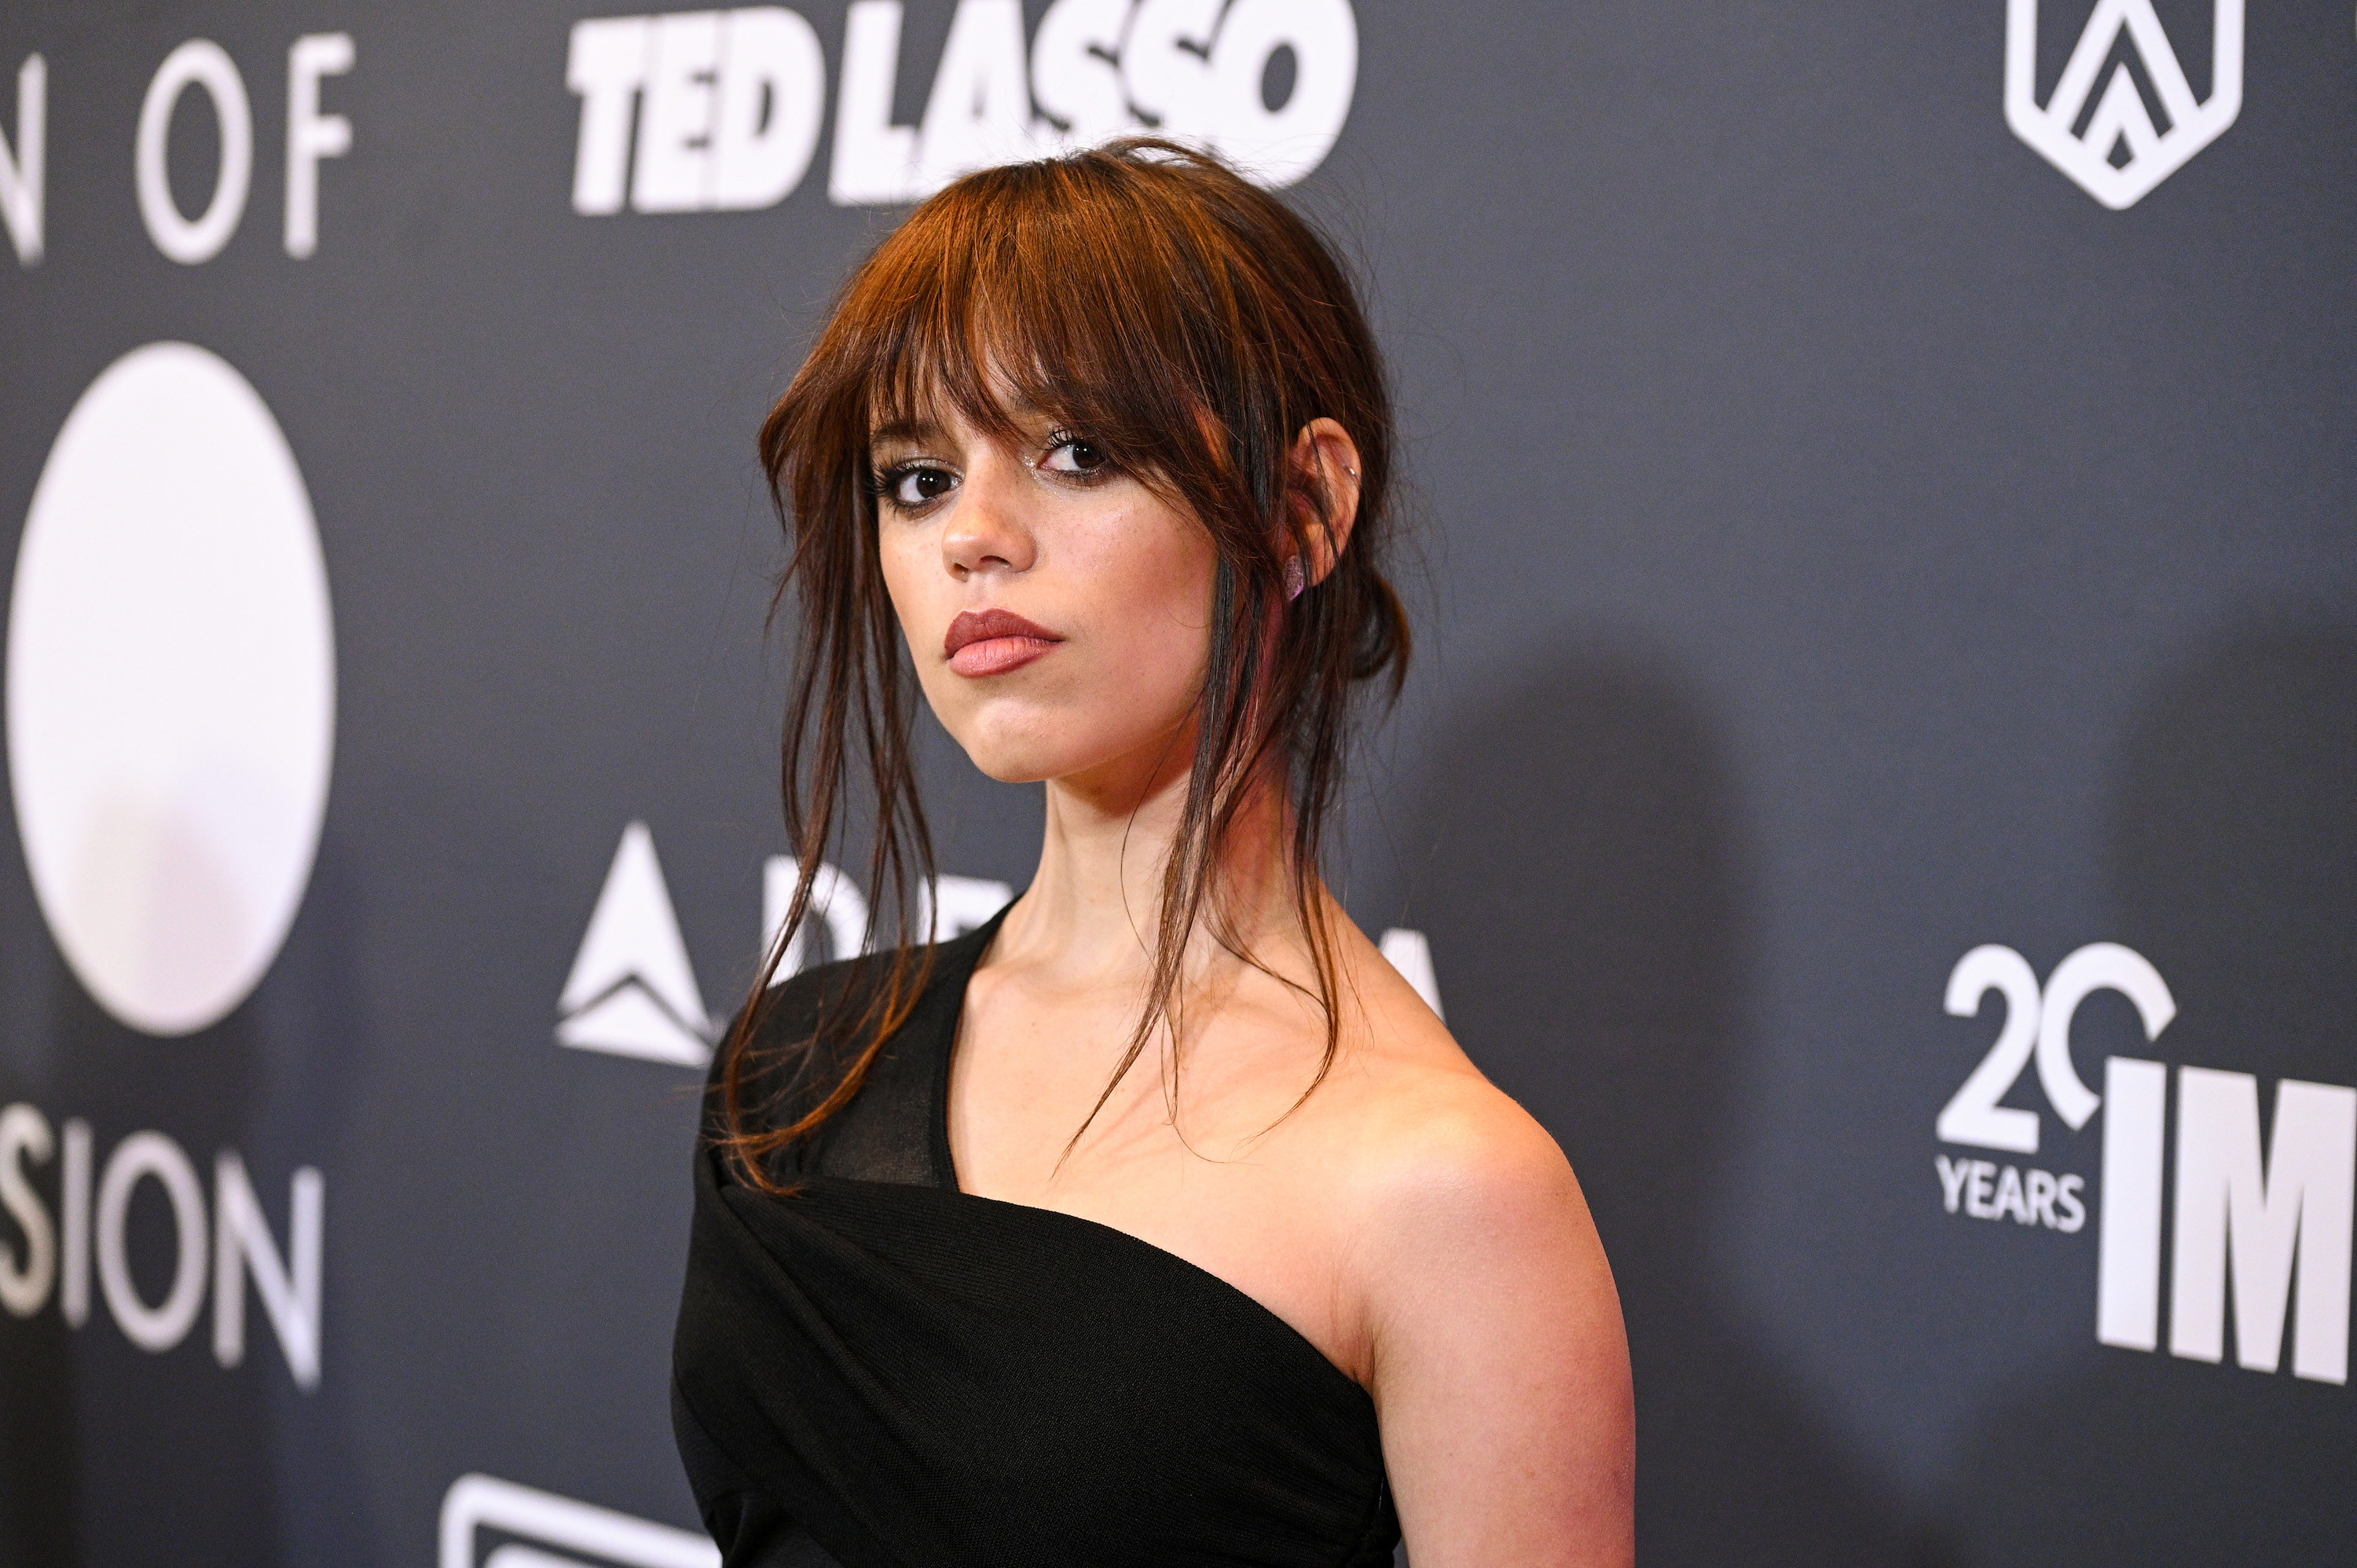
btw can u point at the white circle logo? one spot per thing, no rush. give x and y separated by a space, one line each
171 689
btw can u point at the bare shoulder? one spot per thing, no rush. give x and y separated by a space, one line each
1436 1161
1459 1150
1446 1170
1492 1328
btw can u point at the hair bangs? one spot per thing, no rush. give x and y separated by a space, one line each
1034 292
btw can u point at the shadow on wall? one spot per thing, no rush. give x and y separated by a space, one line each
2232 861
1575 856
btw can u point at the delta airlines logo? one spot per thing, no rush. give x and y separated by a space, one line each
2098 127
2269 1213
632 989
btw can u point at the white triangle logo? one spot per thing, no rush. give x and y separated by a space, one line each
632 991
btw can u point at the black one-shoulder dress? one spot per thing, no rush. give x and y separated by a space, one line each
882 1371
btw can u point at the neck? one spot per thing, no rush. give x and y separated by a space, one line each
1093 911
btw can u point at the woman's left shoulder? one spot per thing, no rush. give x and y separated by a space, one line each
1477 1286
1441 1149
1441 1165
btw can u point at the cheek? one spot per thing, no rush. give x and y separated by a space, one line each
918 597
1137 595
1140 587
1150 590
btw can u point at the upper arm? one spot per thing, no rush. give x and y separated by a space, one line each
1501 1367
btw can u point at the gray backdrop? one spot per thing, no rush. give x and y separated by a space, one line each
1848 538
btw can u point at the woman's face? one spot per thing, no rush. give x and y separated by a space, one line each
1058 613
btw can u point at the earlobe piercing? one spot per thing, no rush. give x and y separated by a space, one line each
1296 579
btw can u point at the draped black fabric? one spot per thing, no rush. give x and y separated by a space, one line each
881 1371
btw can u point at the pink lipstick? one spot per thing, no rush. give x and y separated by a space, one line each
992 643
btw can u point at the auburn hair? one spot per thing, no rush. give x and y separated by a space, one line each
1190 324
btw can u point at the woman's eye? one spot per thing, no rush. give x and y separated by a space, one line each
1071 455
915 486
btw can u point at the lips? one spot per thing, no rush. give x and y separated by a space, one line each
992 643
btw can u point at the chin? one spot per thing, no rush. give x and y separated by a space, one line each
1014 772
1020 757
1033 746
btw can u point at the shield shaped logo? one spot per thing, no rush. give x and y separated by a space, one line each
2116 151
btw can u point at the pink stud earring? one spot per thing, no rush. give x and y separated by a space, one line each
1294 578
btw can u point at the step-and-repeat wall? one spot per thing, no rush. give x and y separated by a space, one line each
1880 780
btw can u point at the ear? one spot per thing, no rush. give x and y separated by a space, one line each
1326 467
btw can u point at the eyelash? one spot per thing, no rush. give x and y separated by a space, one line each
884 484
1106 467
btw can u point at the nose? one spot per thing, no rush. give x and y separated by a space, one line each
987 531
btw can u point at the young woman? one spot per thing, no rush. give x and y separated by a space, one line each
1159 1222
